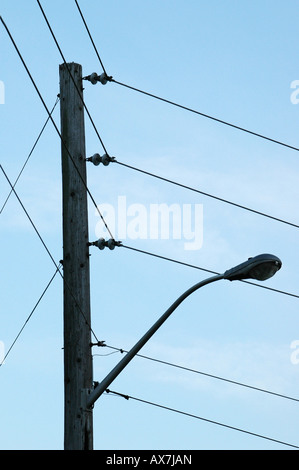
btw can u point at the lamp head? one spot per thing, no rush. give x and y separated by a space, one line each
259 267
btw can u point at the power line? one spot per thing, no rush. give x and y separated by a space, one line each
149 173
90 37
30 220
155 255
186 108
202 193
88 113
201 373
47 249
187 187
30 153
30 315
190 415
54 124
206 115
205 194
204 269
63 58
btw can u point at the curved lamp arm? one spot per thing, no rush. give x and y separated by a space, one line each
260 267
101 387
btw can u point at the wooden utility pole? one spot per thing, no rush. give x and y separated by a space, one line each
78 421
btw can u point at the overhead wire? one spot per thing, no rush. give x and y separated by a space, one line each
173 103
29 218
207 116
243 207
189 187
90 37
47 250
149 173
88 113
275 141
205 194
18 198
63 58
191 415
30 315
40 96
197 112
155 255
29 155
54 124
188 369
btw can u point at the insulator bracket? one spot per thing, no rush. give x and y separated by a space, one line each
96 159
94 78
101 243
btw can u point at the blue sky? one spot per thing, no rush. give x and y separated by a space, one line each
231 60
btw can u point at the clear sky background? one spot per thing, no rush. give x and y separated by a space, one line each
235 61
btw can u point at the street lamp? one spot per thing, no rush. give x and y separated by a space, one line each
260 267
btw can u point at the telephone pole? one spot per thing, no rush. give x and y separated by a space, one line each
78 420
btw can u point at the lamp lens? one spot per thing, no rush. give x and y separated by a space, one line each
264 271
